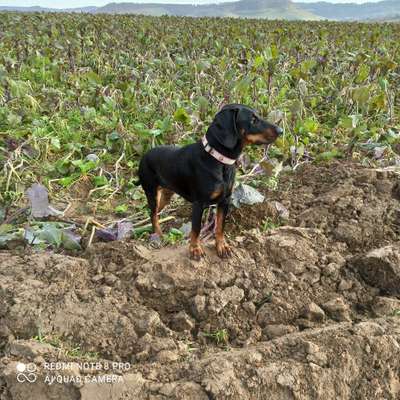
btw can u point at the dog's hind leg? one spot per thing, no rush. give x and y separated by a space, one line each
223 249
165 198
157 199
149 181
195 249
153 195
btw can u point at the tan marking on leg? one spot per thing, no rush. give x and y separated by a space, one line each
165 198
223 249
216 193
219 232
195 249
154 219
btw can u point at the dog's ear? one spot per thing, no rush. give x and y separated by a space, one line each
245 118
223 128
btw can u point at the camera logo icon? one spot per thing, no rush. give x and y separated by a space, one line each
26 372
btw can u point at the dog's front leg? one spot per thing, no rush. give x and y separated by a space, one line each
196 251
223 250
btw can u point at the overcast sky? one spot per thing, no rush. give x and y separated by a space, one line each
82 3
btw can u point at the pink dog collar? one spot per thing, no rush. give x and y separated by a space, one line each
217 155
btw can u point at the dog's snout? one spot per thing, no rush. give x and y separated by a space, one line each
279 131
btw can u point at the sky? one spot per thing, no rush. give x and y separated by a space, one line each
83 3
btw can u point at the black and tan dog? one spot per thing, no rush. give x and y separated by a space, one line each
204 172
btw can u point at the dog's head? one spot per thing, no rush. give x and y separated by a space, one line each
237 125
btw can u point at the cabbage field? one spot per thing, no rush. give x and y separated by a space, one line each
110 87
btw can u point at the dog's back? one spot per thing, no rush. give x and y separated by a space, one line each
168 167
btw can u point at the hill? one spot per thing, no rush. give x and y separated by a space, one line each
383 10
45 9
271 9
387 10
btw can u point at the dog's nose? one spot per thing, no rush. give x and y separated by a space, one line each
279 131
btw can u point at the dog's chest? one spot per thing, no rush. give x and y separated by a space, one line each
221 186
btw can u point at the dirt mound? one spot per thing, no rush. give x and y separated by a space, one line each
348 203
306 310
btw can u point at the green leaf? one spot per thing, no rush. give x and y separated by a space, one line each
271 52
155 132
361 95
307 65
363 73
14 120
67 181
176 232
2 215
55 142
51 235
274 51
243 86
383 84
182 116
93 78
6 239
84 166
121 209
62 166
6 228
258 61
69 242
350 122
329 155
310 125
100 180
203 104
203 65
114 136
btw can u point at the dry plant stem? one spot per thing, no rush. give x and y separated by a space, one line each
117 165
139 223
94 222
91 221
91 236
13 171
67 208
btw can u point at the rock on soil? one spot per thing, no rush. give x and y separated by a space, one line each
337 309
309 310
314 313
381 268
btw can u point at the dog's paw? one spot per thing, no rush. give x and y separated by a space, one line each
223 249
196 252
